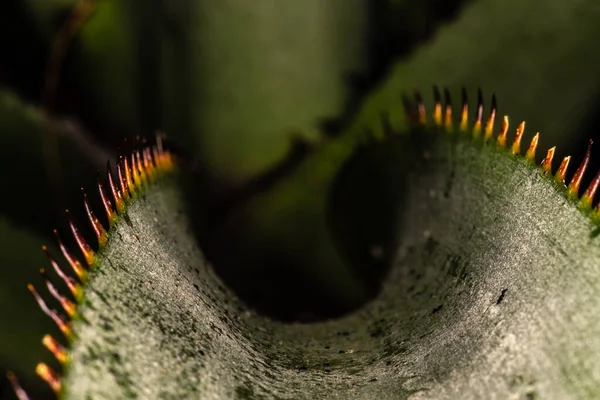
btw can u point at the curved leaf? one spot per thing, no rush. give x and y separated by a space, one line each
493 291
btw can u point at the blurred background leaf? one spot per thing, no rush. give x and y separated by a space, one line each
538 57
32 196
21 320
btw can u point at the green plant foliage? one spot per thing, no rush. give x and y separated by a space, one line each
493 291
256 85
454 269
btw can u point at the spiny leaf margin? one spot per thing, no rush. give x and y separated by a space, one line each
135 172
442 118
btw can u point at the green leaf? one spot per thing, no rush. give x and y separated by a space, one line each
262 72
494 271
492 291
106 70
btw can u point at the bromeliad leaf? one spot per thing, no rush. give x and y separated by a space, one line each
492 292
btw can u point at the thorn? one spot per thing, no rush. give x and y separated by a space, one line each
116 192
73 262
96 225
87 251
70 282
420 109
448 110
489 125
159 161
479 114
148 163
562 169
65 303
56 348
530 155
516 146
547 162
147 158
576 180
140 167
58 320
51 377
19 392
110 213
128 176
168 162
437 108
503 132
588 196
464 115
122 181
135 172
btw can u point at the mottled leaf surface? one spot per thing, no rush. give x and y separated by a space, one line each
492 293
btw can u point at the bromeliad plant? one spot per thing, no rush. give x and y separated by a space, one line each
464 269
493 289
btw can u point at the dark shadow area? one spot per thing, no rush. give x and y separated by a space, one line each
361 218
363 215
265 287
24 50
